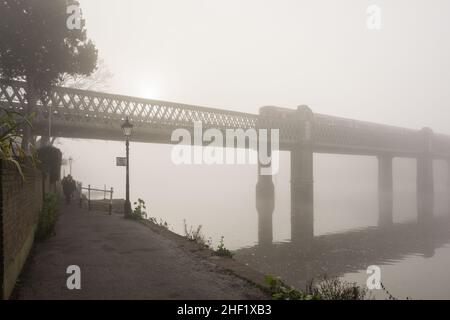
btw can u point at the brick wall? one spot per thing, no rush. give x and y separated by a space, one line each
20 204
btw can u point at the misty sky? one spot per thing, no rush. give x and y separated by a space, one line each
246 54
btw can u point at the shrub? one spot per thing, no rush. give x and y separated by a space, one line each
50 159
139 212
47 217
325 289
196 235
282 291
222 250
11 123
337 289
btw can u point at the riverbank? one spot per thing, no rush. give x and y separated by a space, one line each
124 259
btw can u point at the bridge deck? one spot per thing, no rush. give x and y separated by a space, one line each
94 115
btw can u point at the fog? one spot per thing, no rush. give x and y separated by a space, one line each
242 55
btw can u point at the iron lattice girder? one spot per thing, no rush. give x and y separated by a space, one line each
81 110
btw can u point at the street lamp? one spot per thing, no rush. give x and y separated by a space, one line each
127 129
70 165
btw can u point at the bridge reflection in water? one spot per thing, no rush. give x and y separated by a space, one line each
334 255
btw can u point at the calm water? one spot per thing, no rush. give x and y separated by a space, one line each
221 199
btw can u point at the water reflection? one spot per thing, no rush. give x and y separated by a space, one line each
334 255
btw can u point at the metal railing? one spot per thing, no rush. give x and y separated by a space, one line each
95 115
87 198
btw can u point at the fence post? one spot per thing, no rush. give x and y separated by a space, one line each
89 197
110 201
80 195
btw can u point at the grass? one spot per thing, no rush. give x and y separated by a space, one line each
196 235
160 223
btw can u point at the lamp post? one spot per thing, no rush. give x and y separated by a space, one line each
127 129
70 165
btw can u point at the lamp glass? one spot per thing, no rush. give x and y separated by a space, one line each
127 128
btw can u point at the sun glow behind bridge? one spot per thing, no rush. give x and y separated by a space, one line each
148 91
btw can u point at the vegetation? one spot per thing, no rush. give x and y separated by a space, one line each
282 291
326 289
337 289
99 80
39 48
196 235
160 223
50 159
38 45
10 136
47 217
139 212
222 250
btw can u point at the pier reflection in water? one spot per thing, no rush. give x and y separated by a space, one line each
334 255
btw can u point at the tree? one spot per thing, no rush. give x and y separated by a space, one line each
38 47
99 80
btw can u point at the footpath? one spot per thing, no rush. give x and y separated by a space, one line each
124 259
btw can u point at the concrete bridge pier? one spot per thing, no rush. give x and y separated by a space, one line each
302 187
265 204
302 198
425 183
385 191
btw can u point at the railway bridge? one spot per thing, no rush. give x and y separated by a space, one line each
93 115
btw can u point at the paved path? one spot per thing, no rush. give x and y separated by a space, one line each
122 259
